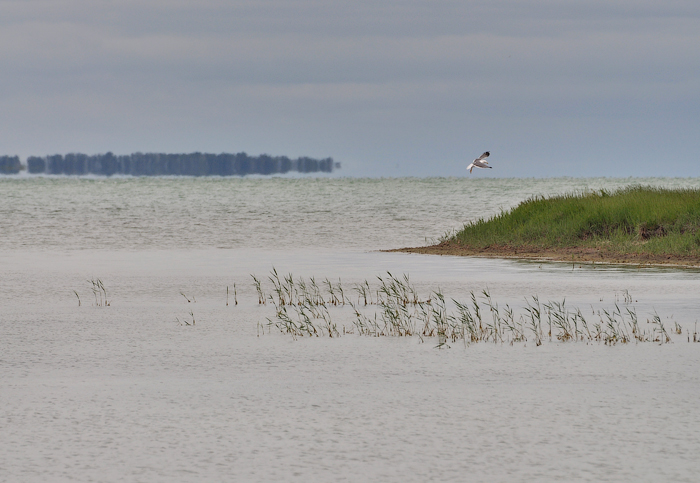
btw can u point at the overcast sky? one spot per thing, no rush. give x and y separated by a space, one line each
388 88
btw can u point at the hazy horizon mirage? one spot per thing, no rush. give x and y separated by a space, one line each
395 88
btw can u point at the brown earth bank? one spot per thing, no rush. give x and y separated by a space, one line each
556 254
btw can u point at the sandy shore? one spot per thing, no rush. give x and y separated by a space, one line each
571 255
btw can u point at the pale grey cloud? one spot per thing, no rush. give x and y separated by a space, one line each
566 87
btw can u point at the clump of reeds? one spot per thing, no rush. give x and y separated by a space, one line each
300 306
397 310
99 291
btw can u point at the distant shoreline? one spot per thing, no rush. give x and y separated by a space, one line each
165 164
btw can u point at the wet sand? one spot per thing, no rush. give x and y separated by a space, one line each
566 254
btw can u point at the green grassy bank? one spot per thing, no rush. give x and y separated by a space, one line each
635 220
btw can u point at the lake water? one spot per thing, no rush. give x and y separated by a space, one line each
130 392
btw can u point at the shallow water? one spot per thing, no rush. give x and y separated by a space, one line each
127 392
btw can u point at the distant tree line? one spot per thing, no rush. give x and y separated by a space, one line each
159 164
10 165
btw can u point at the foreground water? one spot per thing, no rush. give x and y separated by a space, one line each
128 392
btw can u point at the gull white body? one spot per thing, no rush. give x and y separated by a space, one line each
480 162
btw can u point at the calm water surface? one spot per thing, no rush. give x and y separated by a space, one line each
127 392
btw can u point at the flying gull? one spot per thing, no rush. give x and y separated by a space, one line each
479 162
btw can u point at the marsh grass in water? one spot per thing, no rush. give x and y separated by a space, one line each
235 295
302 309
189 299
185 321
637 219
99 291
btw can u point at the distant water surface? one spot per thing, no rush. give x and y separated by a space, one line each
64 213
